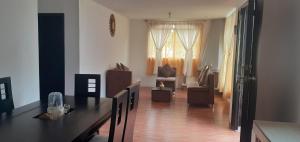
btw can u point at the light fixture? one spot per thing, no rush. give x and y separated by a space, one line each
173 25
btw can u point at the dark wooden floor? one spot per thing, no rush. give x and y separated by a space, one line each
179 122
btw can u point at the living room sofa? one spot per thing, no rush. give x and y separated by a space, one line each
202 93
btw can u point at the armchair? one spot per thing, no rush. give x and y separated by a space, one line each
201 94
166 75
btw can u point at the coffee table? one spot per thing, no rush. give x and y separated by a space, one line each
161 94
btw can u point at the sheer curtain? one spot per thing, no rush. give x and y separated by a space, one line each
172 53
182 37
159 34
204 30
226 73
188 34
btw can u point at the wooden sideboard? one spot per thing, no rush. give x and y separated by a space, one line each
266 131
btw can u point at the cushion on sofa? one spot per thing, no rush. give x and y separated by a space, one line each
166 71
166 78
192 84
201 74
203 77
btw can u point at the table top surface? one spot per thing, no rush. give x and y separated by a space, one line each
21 126
279 131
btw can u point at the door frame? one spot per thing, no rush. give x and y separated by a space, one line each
255 11
235 121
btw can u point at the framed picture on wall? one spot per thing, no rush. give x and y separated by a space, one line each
112 25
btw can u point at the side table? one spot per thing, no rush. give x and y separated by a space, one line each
161 94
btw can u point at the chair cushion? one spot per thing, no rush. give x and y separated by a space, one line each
166 78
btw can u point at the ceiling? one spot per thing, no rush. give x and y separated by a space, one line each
180 9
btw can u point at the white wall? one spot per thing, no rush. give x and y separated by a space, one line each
278 62
215 41
98 50
19 48
139 44
71 10
138 52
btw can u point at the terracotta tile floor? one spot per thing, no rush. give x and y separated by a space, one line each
177 122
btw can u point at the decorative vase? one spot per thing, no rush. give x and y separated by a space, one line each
55 105
161 85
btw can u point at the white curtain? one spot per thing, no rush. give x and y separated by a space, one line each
227 66
204 33
160 34
188 34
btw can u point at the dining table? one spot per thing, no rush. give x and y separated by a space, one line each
85 117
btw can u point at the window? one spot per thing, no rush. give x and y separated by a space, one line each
173 47
173 53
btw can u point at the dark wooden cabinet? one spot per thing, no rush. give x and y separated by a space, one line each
117 81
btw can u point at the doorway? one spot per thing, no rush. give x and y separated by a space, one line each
239 69
255 13
51 54
245 81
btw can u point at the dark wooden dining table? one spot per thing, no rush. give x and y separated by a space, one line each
88 115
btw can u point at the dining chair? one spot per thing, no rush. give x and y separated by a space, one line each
118 119
87 85
6 99
133 101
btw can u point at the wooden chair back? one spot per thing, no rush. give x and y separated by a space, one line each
87 85
118 117
133 101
